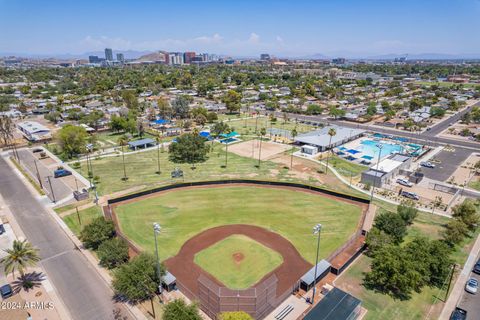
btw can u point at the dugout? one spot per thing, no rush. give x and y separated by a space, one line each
308 279
169 282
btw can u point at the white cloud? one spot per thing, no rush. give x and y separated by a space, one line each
205 43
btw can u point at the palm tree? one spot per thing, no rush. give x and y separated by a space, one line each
294 133
122 141
331 133
227 131
19 257
263 132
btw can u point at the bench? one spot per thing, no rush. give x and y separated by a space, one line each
282 314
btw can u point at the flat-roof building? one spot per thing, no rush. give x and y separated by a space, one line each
336 305
321 139
34 131
387 169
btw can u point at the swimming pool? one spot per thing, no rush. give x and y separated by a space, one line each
369 148
229 140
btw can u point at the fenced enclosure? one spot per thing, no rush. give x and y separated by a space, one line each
258 301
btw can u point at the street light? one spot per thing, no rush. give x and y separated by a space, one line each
51 188
316 230
379 146
156 231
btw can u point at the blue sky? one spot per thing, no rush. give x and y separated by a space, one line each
284 28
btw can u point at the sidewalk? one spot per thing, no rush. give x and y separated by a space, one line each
457 290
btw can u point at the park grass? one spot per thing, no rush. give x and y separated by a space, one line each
247 126
382 306
257 261
185 213
86 217
141 170
475 185
345 167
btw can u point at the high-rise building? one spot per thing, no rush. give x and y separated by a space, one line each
175 58
93 59
264 56
188 56
120 57
108 54
338 61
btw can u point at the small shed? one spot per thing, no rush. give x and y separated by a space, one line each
308 279
169 282
310 150
143 143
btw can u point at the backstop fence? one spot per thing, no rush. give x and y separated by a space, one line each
258 301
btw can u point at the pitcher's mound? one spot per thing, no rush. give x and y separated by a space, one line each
238 257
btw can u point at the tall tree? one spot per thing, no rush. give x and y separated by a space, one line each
188 148
137 280
180 107
72 140
232 100
294 133
331 132
20 257
96 232
392 224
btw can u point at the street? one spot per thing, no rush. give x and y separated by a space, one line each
471 302
81 288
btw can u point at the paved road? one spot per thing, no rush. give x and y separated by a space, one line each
439 127
471 302
83 291
60 189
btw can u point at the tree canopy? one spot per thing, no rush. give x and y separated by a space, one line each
179 310
189 148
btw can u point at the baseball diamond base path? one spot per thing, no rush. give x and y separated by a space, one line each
187 272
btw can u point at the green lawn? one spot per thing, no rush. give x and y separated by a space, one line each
86 216
381 306
238 261
475 185
141 171
292 214
345 167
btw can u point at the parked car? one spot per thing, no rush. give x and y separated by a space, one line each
60 172
404 182
37 150
6 291
476 268
427 164
410 195
471 286
2 229
458 314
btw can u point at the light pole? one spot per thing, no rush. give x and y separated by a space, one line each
156 231
379 146
316 230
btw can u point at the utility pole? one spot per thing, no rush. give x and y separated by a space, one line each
38 175
379 146
78 216
51 188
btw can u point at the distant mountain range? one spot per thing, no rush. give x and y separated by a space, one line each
144 55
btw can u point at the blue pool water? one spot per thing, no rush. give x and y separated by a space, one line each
369 148
229 140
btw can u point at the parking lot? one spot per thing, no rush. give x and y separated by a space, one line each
448 163
471 302
62 187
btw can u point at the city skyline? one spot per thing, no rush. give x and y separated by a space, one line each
281 28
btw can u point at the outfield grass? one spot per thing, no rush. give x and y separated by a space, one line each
86 216
292 214
238 261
